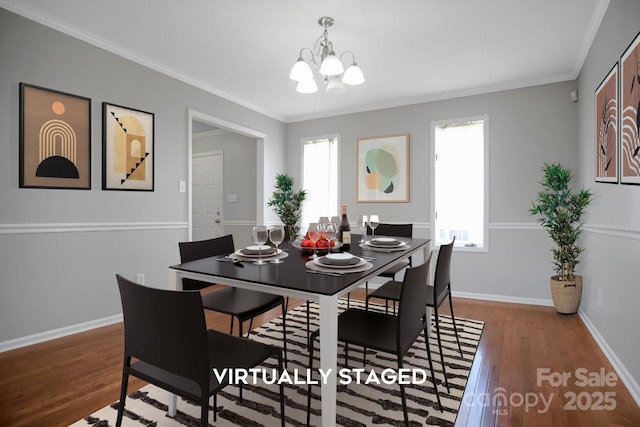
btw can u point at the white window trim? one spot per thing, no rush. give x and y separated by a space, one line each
434 124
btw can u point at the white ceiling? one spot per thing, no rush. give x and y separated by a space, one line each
410 50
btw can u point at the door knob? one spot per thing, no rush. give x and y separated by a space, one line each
217 221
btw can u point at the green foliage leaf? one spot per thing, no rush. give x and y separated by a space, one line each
287 203
560 212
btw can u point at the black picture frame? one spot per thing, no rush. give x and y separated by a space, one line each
128 148
55 139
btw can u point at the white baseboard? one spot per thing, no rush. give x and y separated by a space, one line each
504 298
623 373
58 333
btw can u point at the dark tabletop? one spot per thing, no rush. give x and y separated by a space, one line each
291 273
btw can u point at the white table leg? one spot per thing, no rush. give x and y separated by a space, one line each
173 403
174 284
329 357
427 251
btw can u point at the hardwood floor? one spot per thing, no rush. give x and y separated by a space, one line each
58 382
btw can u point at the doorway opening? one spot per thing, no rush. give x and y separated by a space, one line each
254 142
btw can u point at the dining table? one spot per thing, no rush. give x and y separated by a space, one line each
293 278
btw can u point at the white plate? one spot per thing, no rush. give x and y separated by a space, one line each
319 263
363 266
258 248
385 241
243 255
387 246
403 247
341 258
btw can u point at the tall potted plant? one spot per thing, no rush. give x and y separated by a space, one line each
287 204
560 212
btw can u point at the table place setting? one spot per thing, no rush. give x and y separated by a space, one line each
385 244
337 264
261 253
265 253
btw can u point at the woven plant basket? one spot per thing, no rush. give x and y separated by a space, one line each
566 294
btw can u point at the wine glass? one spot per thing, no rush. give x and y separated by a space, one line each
335 220
362 225
331 232
374 221
314 234
323 220
276 235
260 235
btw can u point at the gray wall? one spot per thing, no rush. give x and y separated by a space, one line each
612 239
527 127
61 248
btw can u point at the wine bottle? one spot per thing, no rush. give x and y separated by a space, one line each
344 229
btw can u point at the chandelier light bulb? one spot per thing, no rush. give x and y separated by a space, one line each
331 65
307 86
300 71
353 75
335 86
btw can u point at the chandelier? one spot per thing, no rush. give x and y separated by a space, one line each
330 69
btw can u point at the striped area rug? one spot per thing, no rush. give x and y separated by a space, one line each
359 403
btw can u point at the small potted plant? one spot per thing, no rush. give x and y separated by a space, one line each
287 204
560 211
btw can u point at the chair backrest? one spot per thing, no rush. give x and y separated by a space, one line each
191 251
443 268
165 328
397 230
412 309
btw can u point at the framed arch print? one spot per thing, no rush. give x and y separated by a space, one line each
630 113
55 139
383 168
606 131
127 148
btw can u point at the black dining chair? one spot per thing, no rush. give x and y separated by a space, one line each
436 294
386 332
242 304
394 230
391 230
165 332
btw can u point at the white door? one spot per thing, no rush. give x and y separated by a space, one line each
207 188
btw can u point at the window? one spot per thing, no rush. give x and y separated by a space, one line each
319 178
460 182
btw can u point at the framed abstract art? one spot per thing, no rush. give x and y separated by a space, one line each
55 139
629 110
127 148
606 132
383 169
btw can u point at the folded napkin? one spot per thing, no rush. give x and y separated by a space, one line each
345 261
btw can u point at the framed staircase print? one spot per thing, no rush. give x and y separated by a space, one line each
127 148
